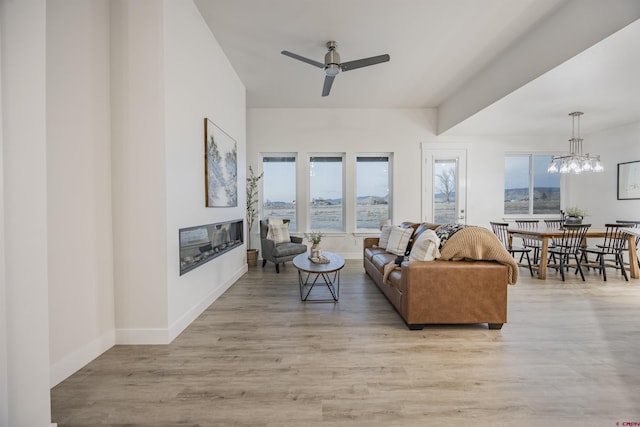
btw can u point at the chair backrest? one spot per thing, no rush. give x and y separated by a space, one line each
264 227
615 240
630 224
500 230
554 223
572 237
528 224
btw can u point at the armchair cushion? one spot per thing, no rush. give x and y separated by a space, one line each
279 233
288 250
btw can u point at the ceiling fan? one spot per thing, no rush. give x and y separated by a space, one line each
332 65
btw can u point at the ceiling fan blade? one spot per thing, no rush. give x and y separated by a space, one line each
328 81
303 59
352 65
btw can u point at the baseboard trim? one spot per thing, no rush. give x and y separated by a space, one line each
71 363
163 336
183 322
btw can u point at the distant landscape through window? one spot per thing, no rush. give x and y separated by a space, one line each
528 188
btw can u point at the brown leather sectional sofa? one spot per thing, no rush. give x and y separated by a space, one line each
440 292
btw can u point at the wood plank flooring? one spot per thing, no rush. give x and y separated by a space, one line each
569 355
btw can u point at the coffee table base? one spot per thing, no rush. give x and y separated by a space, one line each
332 283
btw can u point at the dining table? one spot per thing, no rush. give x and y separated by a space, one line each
546 234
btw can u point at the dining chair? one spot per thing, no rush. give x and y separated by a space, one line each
554 224
567 246
631 224
535 245
500 230
614 243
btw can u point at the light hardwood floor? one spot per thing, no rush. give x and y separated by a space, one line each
568 356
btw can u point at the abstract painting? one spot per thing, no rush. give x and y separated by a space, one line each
221 167
629 180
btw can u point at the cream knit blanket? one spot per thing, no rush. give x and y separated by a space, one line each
478 243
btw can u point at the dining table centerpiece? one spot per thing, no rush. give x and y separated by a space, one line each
574 215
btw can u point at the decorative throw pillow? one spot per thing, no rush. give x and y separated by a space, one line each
445 231
279 233
425 248
275 221
385 232
398 240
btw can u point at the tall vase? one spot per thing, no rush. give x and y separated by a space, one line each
316 251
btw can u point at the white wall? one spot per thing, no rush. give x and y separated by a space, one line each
402 131
138 171
25 282
199 82
80 249
598 193
4 388
168 74
349 131
485 177
594 192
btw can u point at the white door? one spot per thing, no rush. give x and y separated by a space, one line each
444 183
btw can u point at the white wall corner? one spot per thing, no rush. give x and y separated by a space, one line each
185 320
71 363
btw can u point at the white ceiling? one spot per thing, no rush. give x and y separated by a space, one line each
603 82
435 47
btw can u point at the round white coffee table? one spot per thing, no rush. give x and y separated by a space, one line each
316 273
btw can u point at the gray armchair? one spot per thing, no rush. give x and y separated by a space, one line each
281 252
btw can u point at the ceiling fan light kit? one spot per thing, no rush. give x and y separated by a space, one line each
332 65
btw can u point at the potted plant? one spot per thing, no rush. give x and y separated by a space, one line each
574 215
252 213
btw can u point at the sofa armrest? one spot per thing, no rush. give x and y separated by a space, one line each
454 291
370 242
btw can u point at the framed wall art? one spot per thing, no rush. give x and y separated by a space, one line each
220 167
629 180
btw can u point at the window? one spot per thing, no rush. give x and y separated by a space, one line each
279 188
326 193
445 194
528 188
373 180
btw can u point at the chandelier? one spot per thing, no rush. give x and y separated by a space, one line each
575 162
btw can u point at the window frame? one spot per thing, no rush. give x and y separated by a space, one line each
530 214
342 156
296 189
389 157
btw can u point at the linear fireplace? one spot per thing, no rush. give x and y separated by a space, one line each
202 243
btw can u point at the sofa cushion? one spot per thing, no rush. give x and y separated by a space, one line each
370 252
395 280
385 232
399 240
279 233
425 247
381 259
